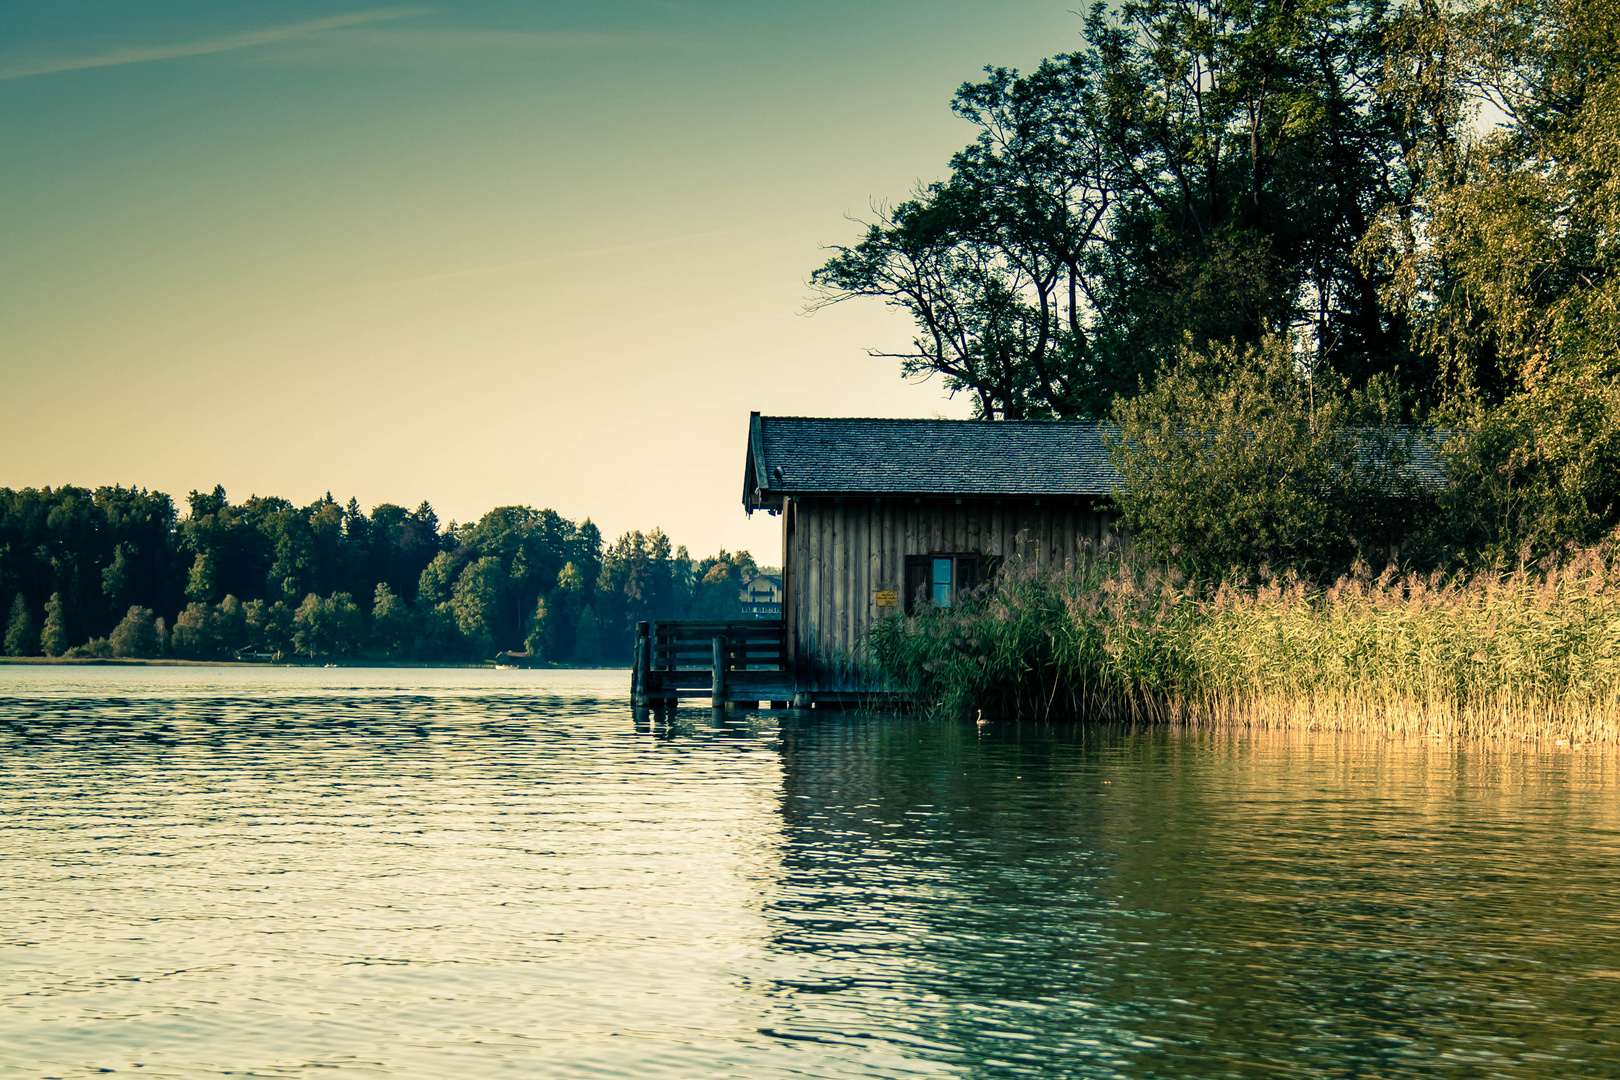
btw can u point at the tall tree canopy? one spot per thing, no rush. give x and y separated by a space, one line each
1417 200
1195 167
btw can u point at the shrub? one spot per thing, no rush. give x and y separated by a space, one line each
94 649
136 634
1234 458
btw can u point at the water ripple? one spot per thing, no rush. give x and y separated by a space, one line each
268 873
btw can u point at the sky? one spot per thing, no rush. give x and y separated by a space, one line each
481 254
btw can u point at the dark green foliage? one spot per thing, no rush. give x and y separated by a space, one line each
641 578
53 638
196 634
328 626
95 649
1233 462
136 635
235 578
1194 177
100 550
588 637
476 601
392 632
1537 473
717 592
269 627
1190 170
22 635
541 641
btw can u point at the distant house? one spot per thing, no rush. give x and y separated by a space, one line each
762 594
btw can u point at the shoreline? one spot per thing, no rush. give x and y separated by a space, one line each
132 661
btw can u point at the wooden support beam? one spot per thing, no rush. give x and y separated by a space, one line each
643 665
718 685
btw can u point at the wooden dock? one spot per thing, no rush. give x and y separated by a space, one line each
741 662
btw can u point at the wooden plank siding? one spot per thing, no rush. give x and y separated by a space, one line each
840 552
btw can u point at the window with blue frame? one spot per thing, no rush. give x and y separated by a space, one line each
941 594
939 580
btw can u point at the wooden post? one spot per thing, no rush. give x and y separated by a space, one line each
643 663
717 697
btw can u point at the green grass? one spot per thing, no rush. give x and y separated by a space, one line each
1532 652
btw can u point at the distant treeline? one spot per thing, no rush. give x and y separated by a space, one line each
116 572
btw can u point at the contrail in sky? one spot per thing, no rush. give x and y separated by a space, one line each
590 253
21 69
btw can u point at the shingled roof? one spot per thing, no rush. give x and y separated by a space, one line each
803 455
807 455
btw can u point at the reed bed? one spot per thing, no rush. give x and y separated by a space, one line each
1532 652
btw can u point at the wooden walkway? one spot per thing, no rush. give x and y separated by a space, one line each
727 662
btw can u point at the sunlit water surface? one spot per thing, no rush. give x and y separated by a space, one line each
471 873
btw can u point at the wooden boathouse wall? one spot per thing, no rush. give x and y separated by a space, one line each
844 556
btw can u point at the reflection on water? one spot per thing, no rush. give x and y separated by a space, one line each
434 873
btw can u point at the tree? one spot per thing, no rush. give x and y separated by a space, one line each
1506 259
437 636
391 628
269 627
588 637
720 583
982 262
1194 168
638 580
330 626
53 639
22 638
345 624
136 635
309 626
474 602
402 543
200 583
1535 473
563 606
116 578
1506 264
437 579
196 633
1234 461
541 639
230 624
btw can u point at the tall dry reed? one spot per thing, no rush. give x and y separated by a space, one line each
1531 652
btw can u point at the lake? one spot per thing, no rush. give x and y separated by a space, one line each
434 873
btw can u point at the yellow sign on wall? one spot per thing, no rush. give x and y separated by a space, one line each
886 598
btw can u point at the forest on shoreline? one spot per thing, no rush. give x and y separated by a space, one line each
117 572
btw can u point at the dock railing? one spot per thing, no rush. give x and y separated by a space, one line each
734 661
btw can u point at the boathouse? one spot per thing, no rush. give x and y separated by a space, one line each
881 516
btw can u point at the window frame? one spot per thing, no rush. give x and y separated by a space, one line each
919 577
